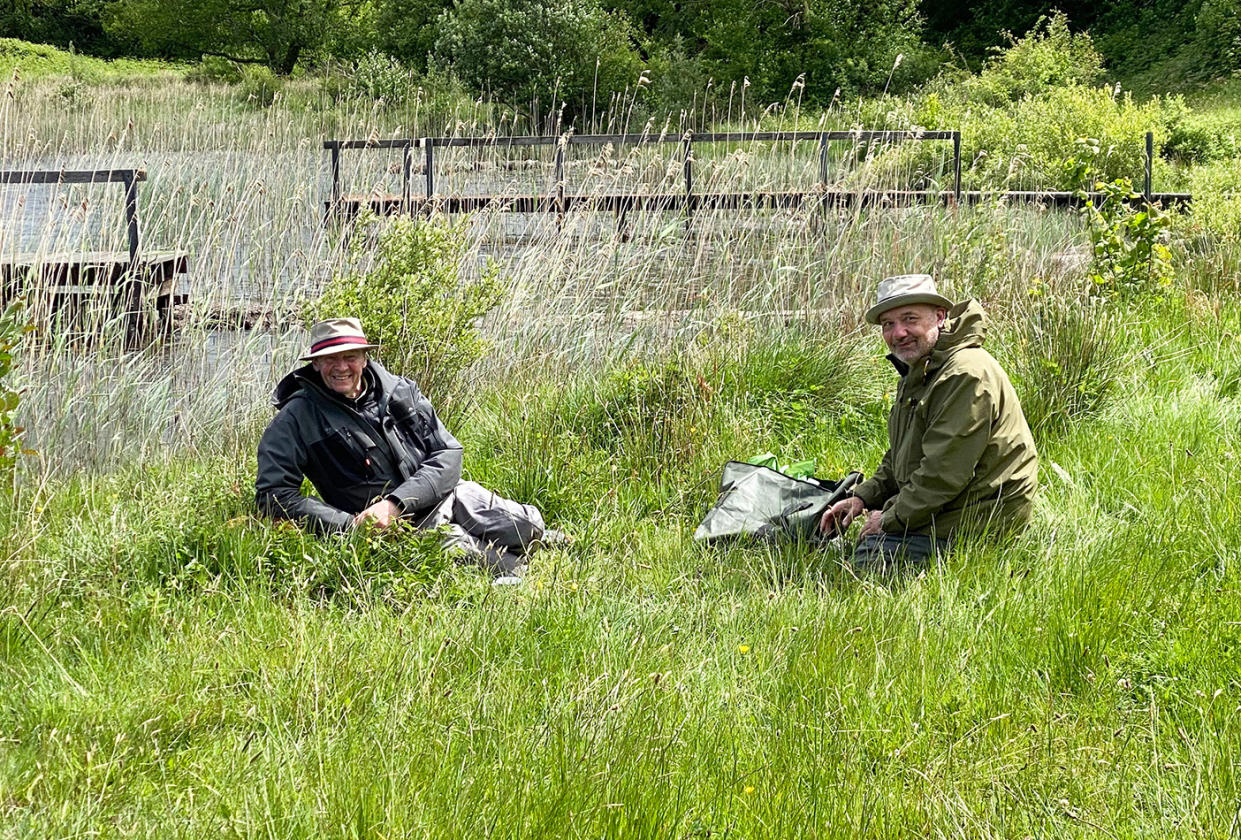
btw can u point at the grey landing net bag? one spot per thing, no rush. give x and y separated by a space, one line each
761 502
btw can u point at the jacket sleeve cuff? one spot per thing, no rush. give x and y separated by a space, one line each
891 523
869 492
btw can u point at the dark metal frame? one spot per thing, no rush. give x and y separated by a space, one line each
561 203
128 177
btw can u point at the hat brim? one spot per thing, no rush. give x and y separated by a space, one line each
872 314
338 348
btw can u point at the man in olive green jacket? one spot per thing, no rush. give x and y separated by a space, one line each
960 453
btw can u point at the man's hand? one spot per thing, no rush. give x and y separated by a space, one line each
873 524
380 515
837 517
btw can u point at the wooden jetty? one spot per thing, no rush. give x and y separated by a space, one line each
687 201
131 283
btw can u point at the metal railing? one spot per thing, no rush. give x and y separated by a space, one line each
129 178
559 202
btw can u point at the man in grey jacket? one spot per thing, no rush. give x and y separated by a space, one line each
371 444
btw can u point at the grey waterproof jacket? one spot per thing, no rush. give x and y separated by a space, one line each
407 457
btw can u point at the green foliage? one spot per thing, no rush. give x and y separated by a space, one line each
259 86
531 51
1218 36
279 35
663 424
359 569
12 329
1022 118
380 77
1128 240
32 61
407 29
217 69
416 302
1049 56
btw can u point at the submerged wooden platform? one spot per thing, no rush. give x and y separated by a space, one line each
131 287
350 205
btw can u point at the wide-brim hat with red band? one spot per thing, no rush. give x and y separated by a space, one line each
337 335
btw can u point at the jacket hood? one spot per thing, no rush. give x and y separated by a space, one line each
305 377
966 327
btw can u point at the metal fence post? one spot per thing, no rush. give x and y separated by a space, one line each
428 145
688 152
1150 154
407 167
823 161
131 214
335 151
559 177
956 167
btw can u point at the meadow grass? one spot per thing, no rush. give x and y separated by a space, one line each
170 665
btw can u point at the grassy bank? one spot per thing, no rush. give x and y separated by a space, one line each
174 667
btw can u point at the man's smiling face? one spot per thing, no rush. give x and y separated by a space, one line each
342 372
911 331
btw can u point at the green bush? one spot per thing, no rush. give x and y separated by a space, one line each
1049 56
1021 119
527 51
416 303
216 69
259 86
379 76
1127 236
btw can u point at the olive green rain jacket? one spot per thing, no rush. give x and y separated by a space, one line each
959 449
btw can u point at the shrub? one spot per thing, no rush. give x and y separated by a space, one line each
1127 236
1048 56
525 51
259 85
380 76
214 68
415 302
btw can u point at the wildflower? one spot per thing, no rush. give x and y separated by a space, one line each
748 790
743 648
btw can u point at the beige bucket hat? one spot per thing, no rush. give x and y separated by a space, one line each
903 290
336 335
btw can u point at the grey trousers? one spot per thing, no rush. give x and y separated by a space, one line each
488 529
889 552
